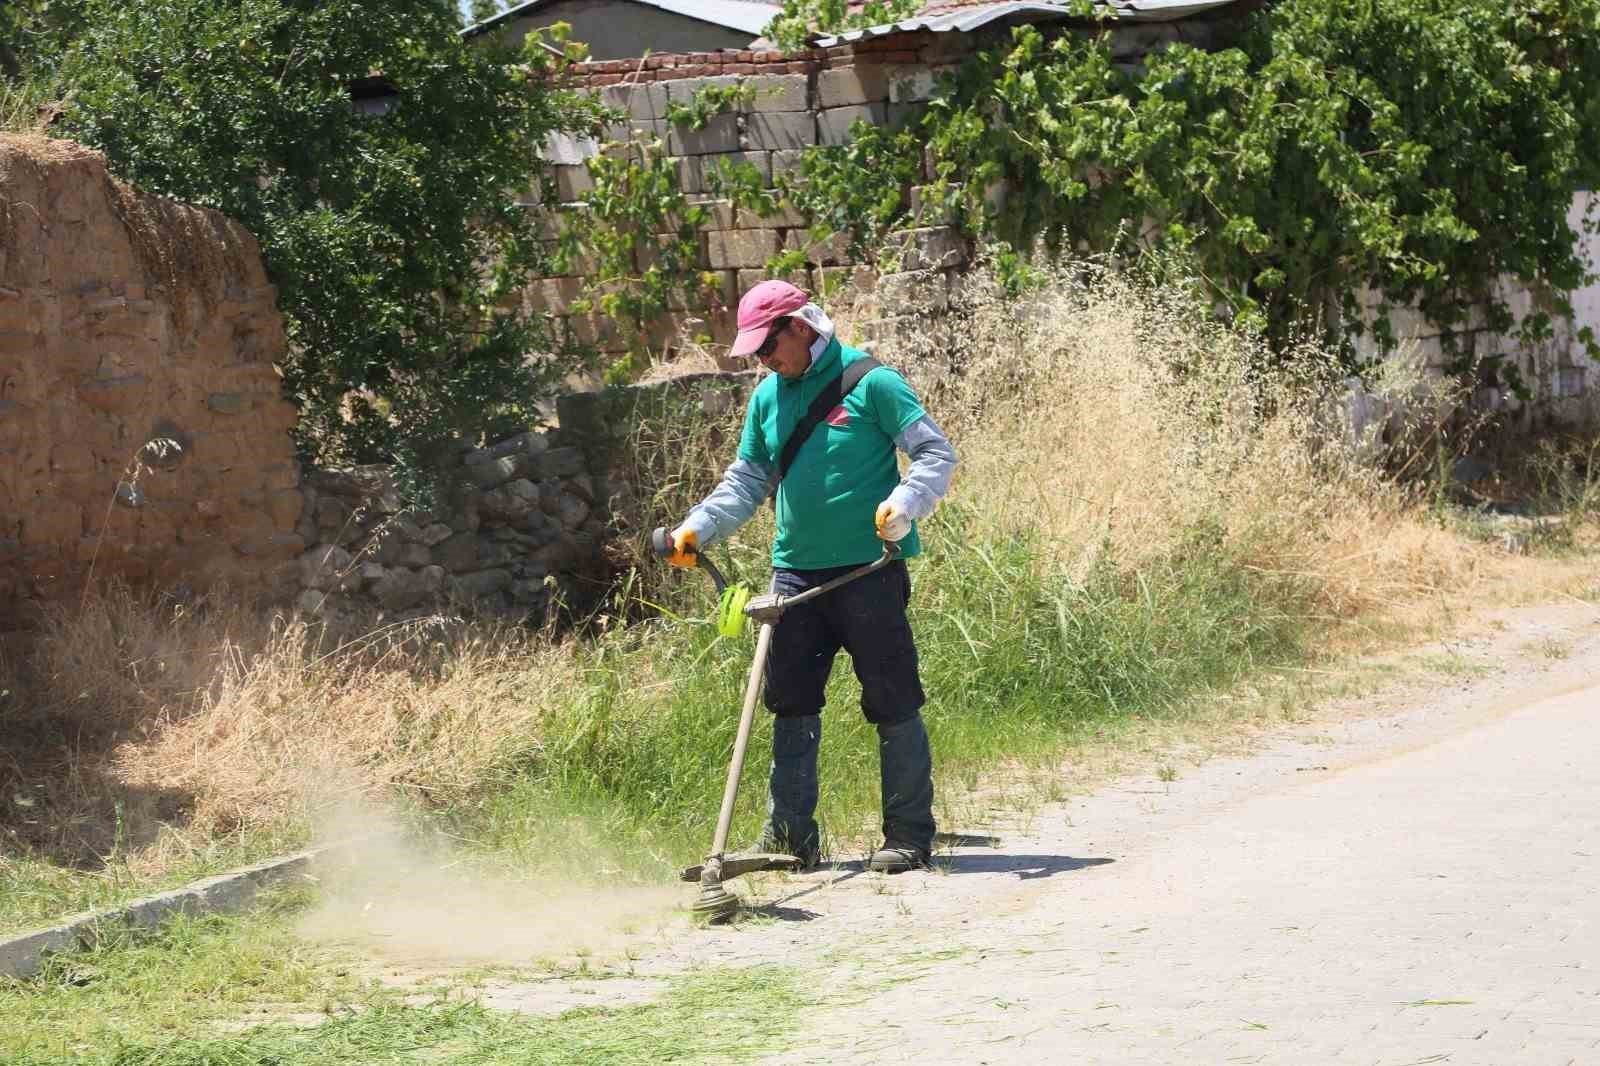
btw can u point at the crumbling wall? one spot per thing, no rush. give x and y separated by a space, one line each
813 97
142 431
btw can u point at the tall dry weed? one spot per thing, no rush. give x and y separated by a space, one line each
1113 419
237 717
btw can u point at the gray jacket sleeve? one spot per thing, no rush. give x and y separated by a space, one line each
746 485
933 461
743 489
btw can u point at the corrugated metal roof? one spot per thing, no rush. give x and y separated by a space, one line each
968 19
747 16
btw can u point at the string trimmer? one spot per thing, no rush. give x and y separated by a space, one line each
735 604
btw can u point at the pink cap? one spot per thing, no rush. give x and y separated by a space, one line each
760 308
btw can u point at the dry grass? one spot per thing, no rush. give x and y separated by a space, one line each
1112 419
218 717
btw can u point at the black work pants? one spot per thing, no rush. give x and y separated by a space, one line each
867 618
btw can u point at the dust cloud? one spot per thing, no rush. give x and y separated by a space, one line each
391 892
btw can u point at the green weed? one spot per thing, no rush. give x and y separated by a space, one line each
1018 663
176 983
34 889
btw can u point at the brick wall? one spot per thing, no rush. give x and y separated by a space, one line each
1562 382
813 97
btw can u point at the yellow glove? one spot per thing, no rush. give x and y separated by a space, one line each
685 547
892 522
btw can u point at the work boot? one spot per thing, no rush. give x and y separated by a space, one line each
791 827
905 767
897 858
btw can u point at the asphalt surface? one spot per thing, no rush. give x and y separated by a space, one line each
1415 887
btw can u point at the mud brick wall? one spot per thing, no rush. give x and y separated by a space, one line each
141 421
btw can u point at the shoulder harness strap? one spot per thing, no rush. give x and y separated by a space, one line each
831 396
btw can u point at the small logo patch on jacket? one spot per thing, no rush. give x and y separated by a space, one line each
839 416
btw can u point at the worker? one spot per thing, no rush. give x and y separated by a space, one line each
838 499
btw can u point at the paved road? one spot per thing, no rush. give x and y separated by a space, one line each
1413 891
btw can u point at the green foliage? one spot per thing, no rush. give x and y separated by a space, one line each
858 188
792 28
636 236
710 101
484 10
1415 149
33 34
395 240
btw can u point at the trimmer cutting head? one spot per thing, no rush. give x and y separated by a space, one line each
715 904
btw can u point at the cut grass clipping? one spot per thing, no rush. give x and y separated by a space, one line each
162 1000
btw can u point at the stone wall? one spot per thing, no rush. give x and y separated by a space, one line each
521 529
1562 382
142 429
813 97
518 523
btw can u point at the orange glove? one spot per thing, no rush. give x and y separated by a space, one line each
685 547
892 523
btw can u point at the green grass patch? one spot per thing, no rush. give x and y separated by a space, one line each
1019 662
169 999
177 983
34 890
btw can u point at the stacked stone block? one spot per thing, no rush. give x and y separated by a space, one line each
796 103
520 530
521 522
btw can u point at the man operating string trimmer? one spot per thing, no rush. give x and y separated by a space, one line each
826 434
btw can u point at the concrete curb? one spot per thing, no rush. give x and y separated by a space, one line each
22 955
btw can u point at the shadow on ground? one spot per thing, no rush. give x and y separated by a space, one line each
784 914
1026 867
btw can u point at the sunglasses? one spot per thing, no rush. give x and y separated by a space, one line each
770 345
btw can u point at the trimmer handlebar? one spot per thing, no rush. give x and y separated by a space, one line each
769 607
661 543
